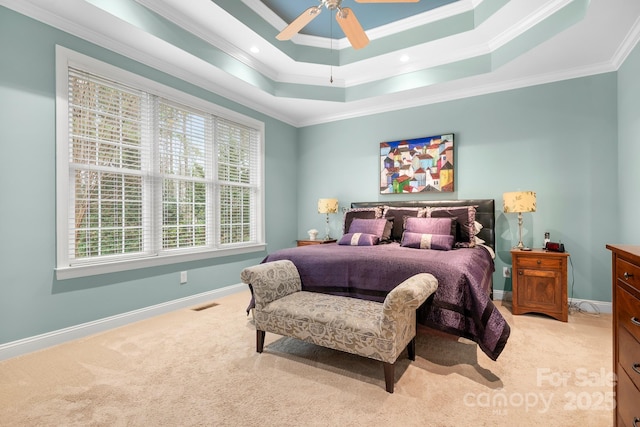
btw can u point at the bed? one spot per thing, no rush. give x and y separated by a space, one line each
369 268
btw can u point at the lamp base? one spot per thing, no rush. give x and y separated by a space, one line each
327 236
520 244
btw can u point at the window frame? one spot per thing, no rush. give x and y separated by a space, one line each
66 58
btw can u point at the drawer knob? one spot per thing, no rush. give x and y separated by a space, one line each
627 275
635 321
636 368
539 262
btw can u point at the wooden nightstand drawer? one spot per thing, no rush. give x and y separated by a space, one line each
628 273
538 262
629 355
628 313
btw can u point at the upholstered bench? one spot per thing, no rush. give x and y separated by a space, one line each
380 331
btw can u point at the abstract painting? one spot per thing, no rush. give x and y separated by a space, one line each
418 165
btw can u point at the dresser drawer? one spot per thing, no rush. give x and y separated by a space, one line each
627 399
628 312
535 262
629 355
628 273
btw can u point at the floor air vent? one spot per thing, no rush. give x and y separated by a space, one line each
205 306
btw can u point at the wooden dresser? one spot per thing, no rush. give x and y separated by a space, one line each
539 283
626 333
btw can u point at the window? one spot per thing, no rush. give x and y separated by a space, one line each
148 175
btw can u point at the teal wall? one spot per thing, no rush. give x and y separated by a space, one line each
558 140
629 148
32 301
573 142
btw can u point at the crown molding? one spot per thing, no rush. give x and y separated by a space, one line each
90 23
627 45
175 16
468 88
434 15
528 22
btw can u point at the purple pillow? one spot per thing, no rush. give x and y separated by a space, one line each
428 225
438 242
398 214
465 217
368 226
358 239
365 213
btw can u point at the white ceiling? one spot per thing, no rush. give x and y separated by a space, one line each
521 43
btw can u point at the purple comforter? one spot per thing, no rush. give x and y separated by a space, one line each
461 306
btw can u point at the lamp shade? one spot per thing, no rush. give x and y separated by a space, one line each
327 206
519 201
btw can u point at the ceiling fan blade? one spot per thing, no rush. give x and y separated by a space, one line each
298 23
387 1
352 28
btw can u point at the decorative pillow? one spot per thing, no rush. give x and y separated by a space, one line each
386 234
438 242
368 226
398 215
465 217
428 225
364 213
358 239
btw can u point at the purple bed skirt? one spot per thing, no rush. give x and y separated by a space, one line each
461 306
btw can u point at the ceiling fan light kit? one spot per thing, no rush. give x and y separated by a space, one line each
345 17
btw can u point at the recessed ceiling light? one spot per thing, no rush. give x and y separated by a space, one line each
404 58
254 49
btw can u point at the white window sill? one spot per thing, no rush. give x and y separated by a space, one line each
64 273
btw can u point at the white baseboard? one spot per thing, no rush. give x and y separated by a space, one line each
49 339
589 306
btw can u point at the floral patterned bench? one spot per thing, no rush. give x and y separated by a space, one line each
380 331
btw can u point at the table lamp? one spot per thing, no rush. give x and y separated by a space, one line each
519 201
327 206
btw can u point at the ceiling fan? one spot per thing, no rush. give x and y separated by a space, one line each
345 17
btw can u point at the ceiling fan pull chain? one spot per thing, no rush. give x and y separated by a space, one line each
331 51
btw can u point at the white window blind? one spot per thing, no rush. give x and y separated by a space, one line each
107 157
238 181
151 177
185 145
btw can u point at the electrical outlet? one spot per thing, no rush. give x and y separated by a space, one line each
183 277
506 272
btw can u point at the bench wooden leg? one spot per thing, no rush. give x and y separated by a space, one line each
411 349
259 341
389 376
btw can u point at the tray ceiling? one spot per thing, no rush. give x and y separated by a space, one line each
419 53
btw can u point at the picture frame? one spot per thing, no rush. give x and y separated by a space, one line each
418 165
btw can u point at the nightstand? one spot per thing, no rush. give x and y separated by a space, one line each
315 242
539 282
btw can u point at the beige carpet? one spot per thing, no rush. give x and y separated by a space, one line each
200 368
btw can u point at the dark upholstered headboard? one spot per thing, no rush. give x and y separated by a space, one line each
485 212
